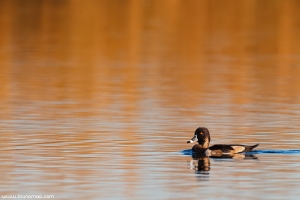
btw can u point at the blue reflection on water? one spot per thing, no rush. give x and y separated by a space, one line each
281 151
294 151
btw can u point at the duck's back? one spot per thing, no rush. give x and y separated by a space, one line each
232 148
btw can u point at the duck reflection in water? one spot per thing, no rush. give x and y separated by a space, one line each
200 163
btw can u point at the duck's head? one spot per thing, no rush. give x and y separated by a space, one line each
201 136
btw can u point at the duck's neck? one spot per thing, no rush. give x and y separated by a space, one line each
205 143
199 148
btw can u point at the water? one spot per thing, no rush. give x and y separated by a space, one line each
98 99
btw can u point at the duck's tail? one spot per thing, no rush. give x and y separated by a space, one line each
250 148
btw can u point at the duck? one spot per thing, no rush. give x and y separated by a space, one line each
202 137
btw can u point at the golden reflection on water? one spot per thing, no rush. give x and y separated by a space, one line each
101 94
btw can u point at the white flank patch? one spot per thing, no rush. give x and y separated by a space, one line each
208 152
238 149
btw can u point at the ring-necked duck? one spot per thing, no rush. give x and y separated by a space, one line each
203 138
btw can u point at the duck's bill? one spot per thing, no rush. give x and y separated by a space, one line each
194 139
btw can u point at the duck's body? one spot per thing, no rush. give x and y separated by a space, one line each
202 136
219 149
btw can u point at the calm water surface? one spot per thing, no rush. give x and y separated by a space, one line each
98 99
